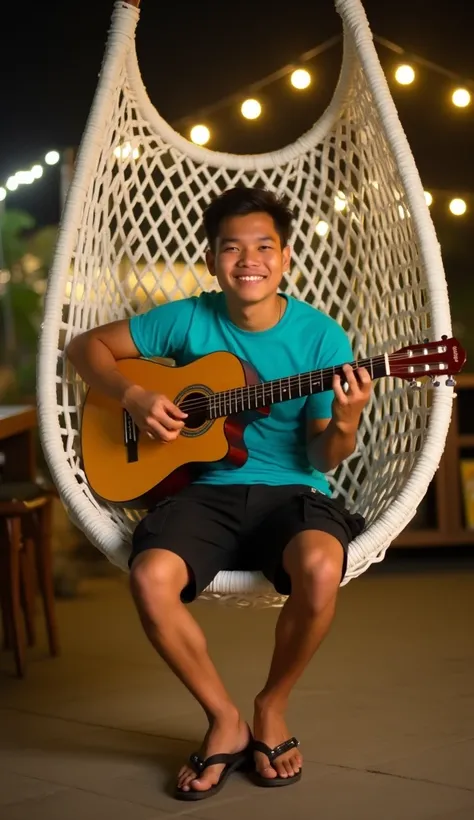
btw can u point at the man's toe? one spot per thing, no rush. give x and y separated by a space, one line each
268 771
208 779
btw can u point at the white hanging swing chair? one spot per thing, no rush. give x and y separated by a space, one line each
130 238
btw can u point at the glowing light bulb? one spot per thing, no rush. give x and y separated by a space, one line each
200 134
405 74
340 201
24 177
461 97
457 206
51 158
125 150
322 228
300 78
251 109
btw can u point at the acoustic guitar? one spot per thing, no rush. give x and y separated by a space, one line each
221 394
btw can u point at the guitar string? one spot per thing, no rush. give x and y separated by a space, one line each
262 389
305 379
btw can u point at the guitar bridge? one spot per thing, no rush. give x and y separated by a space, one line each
130 437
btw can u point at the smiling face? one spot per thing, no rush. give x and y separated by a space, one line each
248 259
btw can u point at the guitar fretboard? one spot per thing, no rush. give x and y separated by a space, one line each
255 396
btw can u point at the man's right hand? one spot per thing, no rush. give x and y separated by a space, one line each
154 414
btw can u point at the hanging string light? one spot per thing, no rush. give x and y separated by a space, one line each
25 177
251 109
458 206
52 157
461 97
405 74
300 79
200 134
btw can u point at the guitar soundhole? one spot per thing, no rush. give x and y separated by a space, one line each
197 405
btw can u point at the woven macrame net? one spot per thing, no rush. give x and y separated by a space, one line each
363 250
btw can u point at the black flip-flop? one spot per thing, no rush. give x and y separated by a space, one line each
272 754
233 763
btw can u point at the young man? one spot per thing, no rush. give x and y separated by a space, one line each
274 513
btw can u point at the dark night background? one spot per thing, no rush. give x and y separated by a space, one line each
193 54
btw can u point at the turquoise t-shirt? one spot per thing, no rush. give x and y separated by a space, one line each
304 339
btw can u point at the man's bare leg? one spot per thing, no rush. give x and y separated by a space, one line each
156 580
313 560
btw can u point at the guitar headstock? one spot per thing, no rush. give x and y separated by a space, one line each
443 358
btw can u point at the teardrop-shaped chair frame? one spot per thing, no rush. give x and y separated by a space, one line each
120 56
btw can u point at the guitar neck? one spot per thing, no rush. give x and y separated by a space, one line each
252 397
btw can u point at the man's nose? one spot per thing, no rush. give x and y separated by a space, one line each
249 256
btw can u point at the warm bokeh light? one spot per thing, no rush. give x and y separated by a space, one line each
140 284
51 158
322 228
200 134
24 177
125 150
340 201
405 74
37 171
251 109
429 198
458 207
12 183
461 97
300 78
3 194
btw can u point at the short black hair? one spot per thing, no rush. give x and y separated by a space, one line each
241 201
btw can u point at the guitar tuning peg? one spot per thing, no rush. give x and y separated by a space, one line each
450 382
425 341
434 381
415 385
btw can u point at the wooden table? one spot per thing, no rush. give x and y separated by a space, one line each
18 442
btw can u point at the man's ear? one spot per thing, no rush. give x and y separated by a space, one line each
286 256
211 262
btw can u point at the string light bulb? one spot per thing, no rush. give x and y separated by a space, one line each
51 158
300 78
405 74
24 177
428 198
457 206
461 97
251 109
322 228
125 150
3 193
200 134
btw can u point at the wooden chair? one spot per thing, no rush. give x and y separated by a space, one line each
25 563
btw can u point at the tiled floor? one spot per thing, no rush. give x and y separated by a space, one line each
385 713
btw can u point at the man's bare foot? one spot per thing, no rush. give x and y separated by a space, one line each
228 734
270 727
